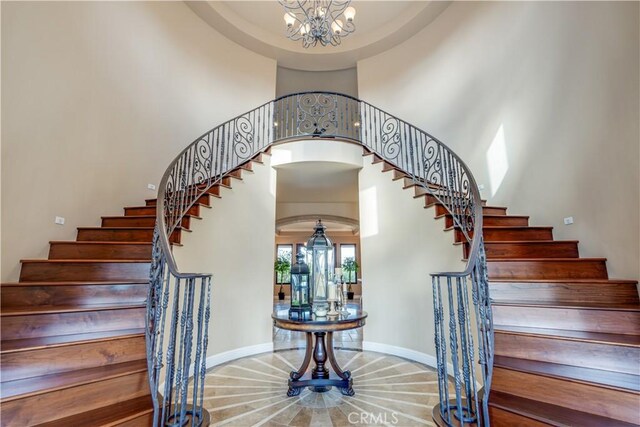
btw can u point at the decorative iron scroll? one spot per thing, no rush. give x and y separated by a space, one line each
178 307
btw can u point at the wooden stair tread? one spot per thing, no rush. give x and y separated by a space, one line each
577 305
511 242
507 227
12 390
179 228
100 242
50 309
623 281
71 283
544 259
609 379
80 260
117 228
595 337
11 346
111 415
487 216
551 414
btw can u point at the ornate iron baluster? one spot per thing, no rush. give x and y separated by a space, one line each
424 159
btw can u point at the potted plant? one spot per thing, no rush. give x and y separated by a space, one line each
282 266
350 266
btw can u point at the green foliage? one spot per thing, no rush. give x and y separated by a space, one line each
282 266
350 265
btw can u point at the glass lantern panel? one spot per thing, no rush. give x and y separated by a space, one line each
304 290
295 290
320 275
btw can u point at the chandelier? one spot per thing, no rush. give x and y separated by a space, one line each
318 21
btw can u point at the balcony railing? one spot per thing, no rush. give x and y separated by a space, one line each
178 307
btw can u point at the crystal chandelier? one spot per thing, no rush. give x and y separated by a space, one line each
318 21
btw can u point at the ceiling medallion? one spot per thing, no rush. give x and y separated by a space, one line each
318 21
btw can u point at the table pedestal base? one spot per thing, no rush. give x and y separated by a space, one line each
320 379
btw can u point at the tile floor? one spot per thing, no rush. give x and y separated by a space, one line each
389 391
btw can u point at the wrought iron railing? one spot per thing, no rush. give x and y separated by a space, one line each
177 353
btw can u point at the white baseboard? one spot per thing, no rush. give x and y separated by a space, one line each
237 353
406 353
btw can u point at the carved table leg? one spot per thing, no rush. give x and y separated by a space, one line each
296 375
320 357
345 375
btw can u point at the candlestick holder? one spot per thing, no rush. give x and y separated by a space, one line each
343 309
332 308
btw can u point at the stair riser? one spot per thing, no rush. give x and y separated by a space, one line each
531 250
151 210
504 221
441 210
111 235
502 418
129 221
214 191
51 324
73 250
572 319
506 234
204 199
603 293
609 403
53 360
63 403
236 173
25 296
142 420
569 352
85 271
547 269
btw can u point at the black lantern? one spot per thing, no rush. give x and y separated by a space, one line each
300 292
320 256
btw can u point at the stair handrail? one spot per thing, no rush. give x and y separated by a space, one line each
424 160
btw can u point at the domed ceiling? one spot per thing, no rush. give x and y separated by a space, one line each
259 26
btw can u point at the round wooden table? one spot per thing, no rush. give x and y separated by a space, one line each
323 328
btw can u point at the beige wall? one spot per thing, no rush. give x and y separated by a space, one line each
558 83
293 81
97 98
401 245
235 242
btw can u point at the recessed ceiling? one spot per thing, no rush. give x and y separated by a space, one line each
259 26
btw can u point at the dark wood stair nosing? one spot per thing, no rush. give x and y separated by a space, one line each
69 340
120 370
53 309
568 373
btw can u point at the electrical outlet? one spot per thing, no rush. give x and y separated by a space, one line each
480 186
59 220
568 220
151 186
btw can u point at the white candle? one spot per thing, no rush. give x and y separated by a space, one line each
332 291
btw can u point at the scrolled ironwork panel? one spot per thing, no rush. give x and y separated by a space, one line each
177 319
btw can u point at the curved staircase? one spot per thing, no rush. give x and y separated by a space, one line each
567 338
73 347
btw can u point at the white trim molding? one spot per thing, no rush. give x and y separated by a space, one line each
403 352
237 353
